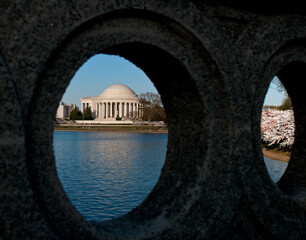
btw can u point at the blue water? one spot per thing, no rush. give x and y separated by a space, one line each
275 168
106 174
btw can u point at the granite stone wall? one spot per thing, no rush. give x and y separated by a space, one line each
211 61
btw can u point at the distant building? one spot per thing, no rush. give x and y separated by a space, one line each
118 100
64 110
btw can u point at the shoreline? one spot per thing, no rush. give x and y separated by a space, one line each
277 154
133 129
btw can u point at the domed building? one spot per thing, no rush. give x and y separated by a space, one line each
118 100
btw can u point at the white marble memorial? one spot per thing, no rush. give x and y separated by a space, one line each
118 100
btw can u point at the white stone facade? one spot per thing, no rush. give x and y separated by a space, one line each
117 100
64 110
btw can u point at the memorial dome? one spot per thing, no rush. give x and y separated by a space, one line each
118 100
118 91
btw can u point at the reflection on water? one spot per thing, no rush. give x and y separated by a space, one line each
105 175
275 168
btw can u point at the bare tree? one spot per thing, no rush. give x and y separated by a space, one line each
152 107
277 84
152 98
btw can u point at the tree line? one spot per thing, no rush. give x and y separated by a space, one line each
286 103
76 114
152 107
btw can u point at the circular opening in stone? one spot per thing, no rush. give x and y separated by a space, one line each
293 181
277 129
177 80
110 164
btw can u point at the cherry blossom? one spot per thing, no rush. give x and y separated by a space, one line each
277 128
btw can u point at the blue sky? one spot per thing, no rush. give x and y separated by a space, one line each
101 71
273 96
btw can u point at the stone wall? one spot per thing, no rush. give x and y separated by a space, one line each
212 64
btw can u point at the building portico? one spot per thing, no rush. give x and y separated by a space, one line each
117 100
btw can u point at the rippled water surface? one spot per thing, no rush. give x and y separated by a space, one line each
106 174
275 168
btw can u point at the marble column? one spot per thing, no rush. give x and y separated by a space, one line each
132 109
101 110
110 109
113 110
97 110
123 106
107 109
120 109
104 111
117 109
136 109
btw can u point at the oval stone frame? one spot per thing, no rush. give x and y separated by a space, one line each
187 161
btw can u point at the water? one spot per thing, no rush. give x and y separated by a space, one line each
106 174
275 168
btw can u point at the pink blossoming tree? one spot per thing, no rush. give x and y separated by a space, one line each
277 128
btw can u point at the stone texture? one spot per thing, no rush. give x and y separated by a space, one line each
211 61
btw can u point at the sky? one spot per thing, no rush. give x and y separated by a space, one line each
101 71
273 96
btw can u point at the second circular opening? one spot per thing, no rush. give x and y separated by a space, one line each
109 152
